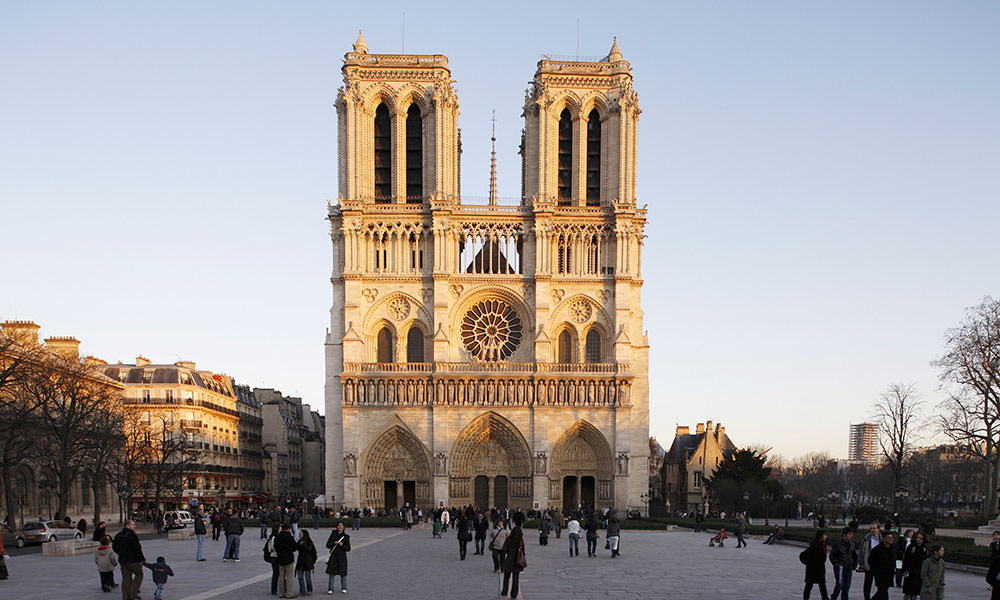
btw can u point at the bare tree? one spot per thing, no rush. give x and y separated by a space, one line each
106 448
126 472
72 398
897 415
171 453
972 363
19 360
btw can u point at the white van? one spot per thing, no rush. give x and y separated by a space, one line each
177 519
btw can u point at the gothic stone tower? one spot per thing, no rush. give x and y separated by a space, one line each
486 354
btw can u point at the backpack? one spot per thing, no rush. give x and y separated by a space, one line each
805 557
267 550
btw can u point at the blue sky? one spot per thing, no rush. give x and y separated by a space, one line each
821 178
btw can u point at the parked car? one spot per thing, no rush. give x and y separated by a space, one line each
11 537
37 532
177 519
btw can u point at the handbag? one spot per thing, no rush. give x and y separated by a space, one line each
522 561
493 540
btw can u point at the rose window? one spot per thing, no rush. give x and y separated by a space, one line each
580 311
491 330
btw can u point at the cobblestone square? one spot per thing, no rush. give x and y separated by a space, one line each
389 563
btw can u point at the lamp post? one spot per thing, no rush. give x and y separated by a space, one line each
767 508
746 501
645 501
834 500
788 499
901 494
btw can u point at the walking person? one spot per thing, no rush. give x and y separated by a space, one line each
294 518
815 561
356 523
262 515
881 563
100 531
271 557
698 519
233 527
557 521
339 544
902 543
993 575
106 562
869 543
573 527
161 570
305 563
480 525
614 534
543 531
284 550
463 535
932 575
315 518
130 559
913 559
498 535
844 558
216 524
591 527
514 561
199 532
741 529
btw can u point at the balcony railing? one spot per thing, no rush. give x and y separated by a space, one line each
482 368
190 424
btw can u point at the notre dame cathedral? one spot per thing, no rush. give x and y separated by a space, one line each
489 354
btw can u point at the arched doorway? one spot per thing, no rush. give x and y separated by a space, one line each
396 471
581 472
490 465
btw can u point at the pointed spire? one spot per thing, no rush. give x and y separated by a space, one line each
493 162
360 46
615 54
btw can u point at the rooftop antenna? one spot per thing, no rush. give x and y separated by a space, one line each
493 161
402 36
577 39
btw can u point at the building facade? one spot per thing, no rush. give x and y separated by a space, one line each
490 354
862 445
178 402
294 437
690 461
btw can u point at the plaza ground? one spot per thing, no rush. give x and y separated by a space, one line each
388 563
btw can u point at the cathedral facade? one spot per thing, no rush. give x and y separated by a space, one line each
489 354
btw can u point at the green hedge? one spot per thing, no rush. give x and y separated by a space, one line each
331 522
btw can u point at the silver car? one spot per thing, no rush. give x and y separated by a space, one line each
37 532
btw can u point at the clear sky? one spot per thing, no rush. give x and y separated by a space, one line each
822 182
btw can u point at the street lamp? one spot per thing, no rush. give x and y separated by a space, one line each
788 499
746 501
767 508
901 494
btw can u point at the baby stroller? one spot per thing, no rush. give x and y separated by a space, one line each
436 529
719 537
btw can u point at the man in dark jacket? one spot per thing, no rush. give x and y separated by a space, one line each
200 531
480 525
882 564
845 559
274 520
129 550
233 526
284 549
992 574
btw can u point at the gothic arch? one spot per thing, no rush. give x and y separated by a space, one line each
584 311
582 451
376 95
565 100
594 101
491 446
558 350
411 94
604 336
388 310
396 455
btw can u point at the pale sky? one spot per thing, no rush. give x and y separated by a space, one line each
822 182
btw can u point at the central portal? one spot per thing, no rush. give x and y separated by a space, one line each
490 465
482 491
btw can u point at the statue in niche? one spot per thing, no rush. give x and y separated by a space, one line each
540 460
350 465
440 464
622 464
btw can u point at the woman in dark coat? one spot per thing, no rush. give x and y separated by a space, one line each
463 535
913 558
305 563
513 547
816 566
100 531
339 544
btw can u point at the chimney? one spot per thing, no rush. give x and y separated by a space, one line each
720 431
66 347
23 332
708 426
683 430
93 361
700 429
187 364
141 361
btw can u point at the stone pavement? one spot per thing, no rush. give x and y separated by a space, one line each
388 563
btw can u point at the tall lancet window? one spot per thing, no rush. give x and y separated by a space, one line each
594 159
384 348
565 180
414 156
383 155
592 351
565 347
